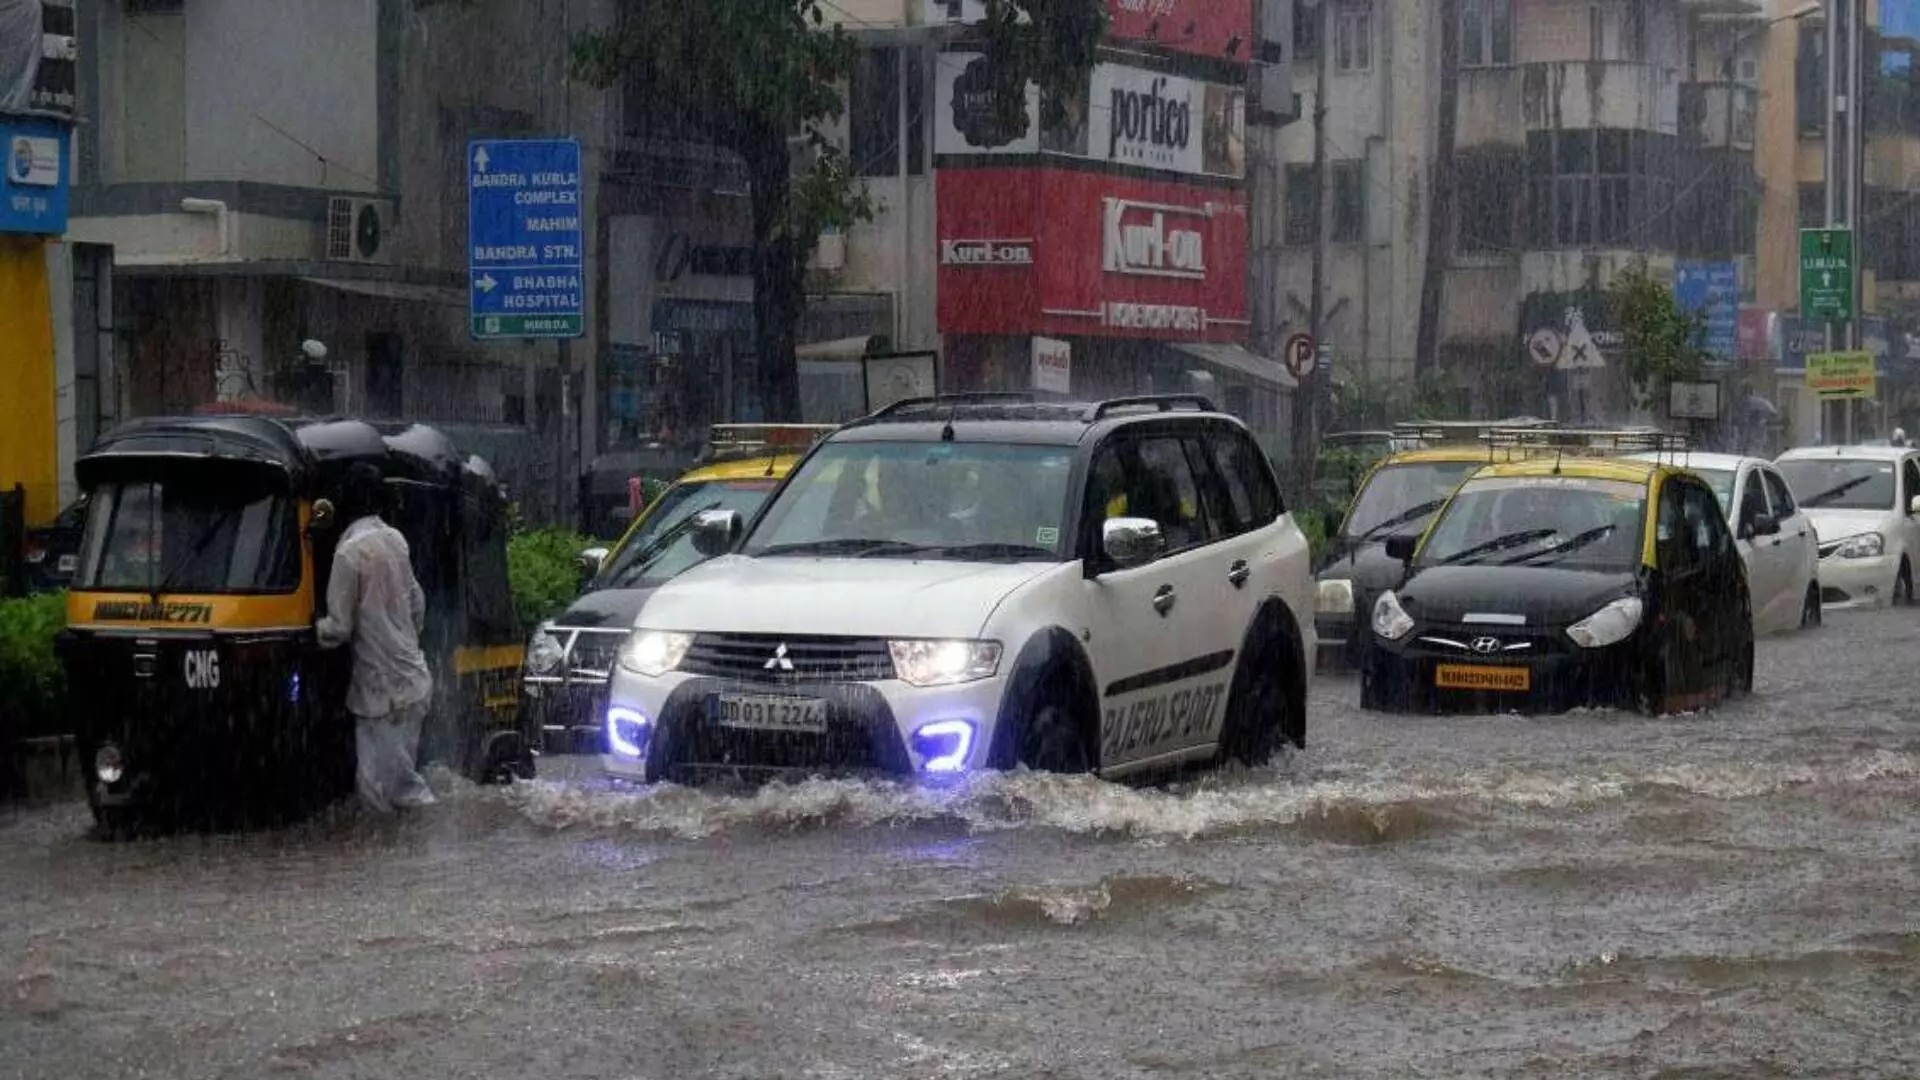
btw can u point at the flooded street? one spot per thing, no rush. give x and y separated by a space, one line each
1597 895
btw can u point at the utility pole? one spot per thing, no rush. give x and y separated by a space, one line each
1440 204
1306 398
1845 43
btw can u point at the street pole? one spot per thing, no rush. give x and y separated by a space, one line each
1845 158
1306 400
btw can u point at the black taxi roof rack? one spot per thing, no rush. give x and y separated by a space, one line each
1455 432
1592 442
1152 402
731 442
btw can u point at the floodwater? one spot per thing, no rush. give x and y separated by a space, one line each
1731 894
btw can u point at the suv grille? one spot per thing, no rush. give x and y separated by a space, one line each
778 659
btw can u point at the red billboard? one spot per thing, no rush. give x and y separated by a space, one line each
1221 29
1069 252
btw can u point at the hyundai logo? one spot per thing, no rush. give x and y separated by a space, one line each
1486 644
778 661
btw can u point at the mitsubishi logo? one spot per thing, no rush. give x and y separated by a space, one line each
1486 644
778 661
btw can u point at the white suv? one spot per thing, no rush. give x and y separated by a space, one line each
980 581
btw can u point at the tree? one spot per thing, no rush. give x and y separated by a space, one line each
1662 339
765 78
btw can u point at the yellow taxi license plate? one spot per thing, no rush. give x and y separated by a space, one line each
1478 677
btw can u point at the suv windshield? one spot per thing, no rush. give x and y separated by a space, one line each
1564 521
1840 483
660 549
1395 490
208 535
956 500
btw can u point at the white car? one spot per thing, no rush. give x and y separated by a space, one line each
1865 503
969 582
1777 540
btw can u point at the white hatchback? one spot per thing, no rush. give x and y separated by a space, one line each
1865 503
1777 540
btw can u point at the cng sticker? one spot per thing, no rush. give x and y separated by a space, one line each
203 670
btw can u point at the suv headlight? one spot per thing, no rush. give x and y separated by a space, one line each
1390 620
1335 597
944 663
1609 625
653 653
1863 546
544 651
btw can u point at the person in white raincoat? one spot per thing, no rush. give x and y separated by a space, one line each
375 603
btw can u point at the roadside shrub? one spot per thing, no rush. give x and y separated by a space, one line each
32 685
1314 523
543 567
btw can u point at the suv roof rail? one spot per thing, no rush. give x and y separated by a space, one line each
1156 402
981 397
1598 442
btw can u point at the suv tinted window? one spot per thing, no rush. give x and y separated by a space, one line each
1252 502
1783 505
1163 488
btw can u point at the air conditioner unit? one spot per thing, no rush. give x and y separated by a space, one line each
359 230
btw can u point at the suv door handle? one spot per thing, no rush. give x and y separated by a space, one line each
1163 600
1238 573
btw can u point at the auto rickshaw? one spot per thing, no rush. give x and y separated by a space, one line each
196 678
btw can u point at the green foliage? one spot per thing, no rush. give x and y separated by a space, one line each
1366 402
1316 523
543 567
1662 339
32 684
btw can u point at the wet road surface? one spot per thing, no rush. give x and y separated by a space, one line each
1600 895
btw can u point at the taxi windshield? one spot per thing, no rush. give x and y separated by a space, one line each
661 549
229 534
944 500
1575 523
1824 483
1403 497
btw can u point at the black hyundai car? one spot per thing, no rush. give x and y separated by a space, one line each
1551 584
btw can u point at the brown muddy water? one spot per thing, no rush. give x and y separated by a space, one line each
1730 894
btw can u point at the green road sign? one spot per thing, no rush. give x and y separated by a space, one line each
1826 275
487 327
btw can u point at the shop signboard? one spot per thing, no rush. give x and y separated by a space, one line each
1216 29
1052 365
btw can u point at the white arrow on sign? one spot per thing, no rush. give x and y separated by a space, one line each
486 283
1826 281
480 159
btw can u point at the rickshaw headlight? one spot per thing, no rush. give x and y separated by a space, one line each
653 653
544 653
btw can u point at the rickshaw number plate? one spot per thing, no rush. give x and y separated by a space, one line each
1478 677
765 712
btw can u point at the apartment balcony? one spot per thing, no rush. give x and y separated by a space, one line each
1724 8
1619 94
1490 108
1717 115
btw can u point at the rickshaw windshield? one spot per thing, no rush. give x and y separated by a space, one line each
230 533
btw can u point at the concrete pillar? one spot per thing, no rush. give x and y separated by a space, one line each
27 441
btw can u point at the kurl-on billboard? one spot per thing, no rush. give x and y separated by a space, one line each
1071 252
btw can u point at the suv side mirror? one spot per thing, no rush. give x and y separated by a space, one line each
714 531
1129 541
1401 546
1763 525
591 561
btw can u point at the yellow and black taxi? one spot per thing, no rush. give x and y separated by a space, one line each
196 681
569 658
1560 581
1400 494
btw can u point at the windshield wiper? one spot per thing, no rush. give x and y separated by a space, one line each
1401 518
193 552
990 551
855 546
1506 541
1835 492
1570 544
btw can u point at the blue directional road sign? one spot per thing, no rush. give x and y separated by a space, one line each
524 242
34 175
1713 289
